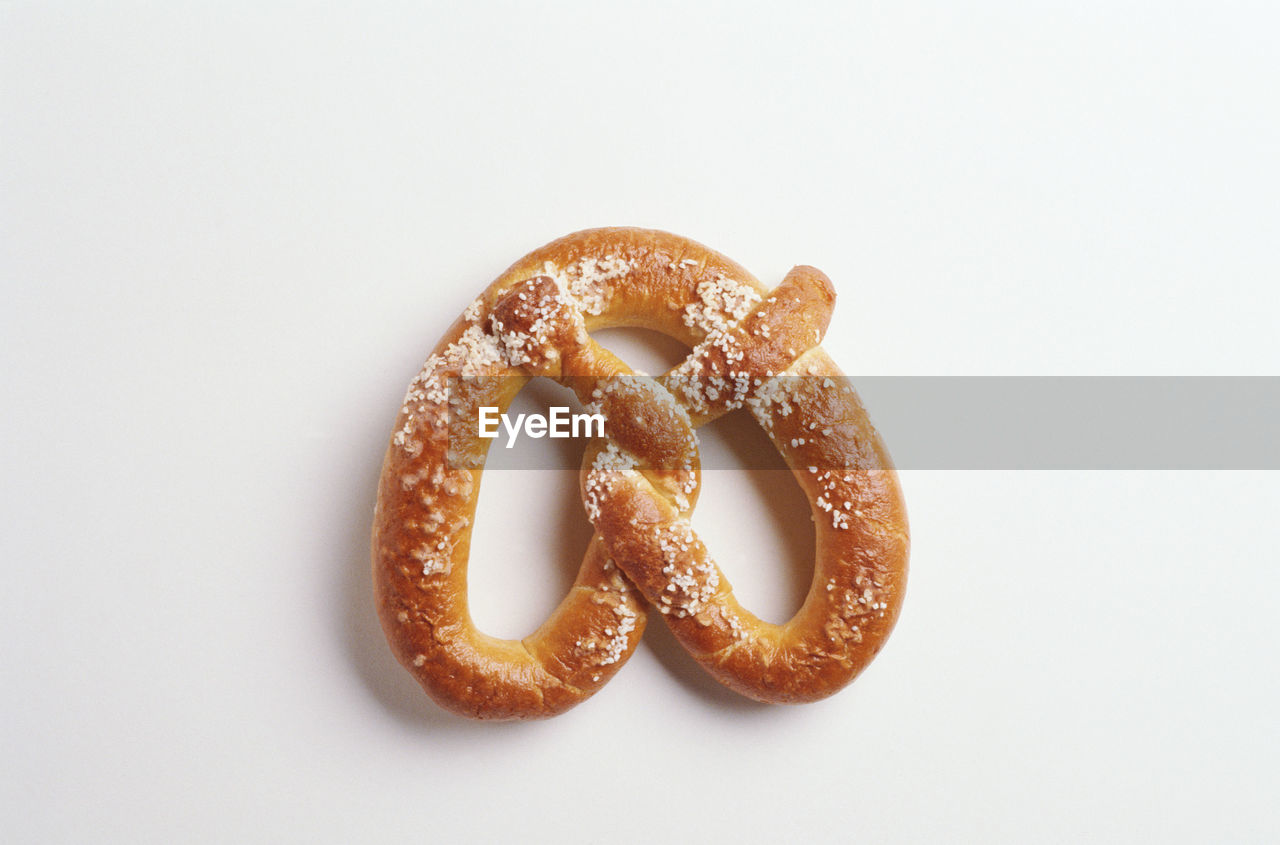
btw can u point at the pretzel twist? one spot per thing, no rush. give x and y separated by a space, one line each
640 485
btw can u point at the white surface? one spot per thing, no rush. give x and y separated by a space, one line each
231 233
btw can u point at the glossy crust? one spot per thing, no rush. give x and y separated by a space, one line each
640 485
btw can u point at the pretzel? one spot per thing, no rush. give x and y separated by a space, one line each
640 483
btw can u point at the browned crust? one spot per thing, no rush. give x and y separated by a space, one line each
635 277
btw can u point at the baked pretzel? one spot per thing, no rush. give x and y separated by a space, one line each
640 484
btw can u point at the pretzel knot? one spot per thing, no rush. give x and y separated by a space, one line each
752 349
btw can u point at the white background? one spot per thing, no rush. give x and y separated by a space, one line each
230 233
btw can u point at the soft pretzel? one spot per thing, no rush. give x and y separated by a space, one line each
639 485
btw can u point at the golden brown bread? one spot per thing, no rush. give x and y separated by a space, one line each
751 348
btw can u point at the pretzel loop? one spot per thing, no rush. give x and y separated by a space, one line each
818 425
640 484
